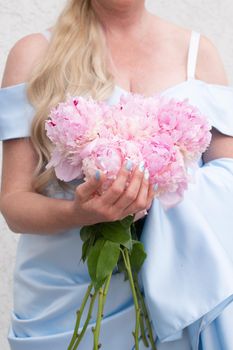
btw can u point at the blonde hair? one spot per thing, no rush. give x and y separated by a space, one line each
75 63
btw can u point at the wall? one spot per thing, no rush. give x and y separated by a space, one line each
18 18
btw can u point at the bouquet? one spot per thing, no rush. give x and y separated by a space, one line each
88 135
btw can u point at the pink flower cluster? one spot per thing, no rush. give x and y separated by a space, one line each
169 135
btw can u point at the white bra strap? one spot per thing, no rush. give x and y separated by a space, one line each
192 54
47 34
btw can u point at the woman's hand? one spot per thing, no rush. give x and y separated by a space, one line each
118 201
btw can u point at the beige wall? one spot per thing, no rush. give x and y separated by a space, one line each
18 18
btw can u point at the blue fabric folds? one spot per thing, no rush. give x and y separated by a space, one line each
16 113
188 273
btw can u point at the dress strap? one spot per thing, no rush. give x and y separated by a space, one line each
192 54
47 34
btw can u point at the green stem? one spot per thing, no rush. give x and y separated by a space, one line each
79 316
136 305
143 332
98 321
78 340
145 312
124 258
101 315
106 287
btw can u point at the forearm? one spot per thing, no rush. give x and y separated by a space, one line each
28 212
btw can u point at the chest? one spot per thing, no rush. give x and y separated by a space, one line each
149 66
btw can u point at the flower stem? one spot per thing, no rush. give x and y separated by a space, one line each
102 298
96 330
79 316
106 287
78 340
125 254
145 312
142 328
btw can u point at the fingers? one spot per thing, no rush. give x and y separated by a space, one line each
136 192
110 196
129 193
141 199
88 188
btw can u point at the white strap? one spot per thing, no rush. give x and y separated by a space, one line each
47 34
193 53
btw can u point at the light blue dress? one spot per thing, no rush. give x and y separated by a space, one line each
187 276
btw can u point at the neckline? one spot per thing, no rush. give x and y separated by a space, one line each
171 88
178 85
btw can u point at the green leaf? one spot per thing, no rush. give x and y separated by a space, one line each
85 250
87 246
121 268
98 284
107 260
128 244
86 232
102 259
127 221
137 256
115 232
134 231
93 257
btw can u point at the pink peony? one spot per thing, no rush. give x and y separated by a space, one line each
71 126
108 155
187 127
135 117
169 135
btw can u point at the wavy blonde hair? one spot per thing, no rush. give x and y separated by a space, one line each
75 63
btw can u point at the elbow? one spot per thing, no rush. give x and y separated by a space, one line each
12 228
10 224
5 211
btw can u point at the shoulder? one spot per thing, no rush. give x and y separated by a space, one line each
172 34
23 57
210 67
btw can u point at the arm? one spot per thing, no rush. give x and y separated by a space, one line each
27 211
211 69
24 210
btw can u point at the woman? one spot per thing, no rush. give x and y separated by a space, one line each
105 48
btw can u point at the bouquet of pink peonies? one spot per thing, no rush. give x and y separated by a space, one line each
88 135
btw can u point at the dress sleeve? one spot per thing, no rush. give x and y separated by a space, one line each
219 107
188 273
16 113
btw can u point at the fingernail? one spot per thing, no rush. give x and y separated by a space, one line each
146 174
155 187
141 166
129 165
97 175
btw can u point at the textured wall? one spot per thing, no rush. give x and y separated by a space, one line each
18 18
